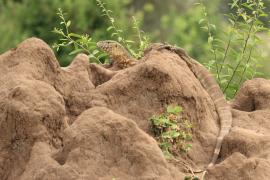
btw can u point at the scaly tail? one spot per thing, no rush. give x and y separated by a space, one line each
225 116
222 107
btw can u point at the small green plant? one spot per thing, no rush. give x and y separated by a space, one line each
85 44
80 43
144 40
191 178
118 33
236 55
172 132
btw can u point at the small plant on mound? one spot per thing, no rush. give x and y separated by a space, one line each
191 178
80 43
135 49
172 132
84 43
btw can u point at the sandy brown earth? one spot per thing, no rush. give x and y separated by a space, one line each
87 122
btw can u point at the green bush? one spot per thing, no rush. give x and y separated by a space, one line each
172 132
234 52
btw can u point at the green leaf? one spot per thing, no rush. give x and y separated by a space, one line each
204 28
188 178
213 26
210 39
91 56
76 51
95 52
248 6
175 134
201 21
188 146
74 35
101 56
110 28
114 34
165 145
130 41
68 23
92 44
166 135
112 20
174 109
120 39
263 15
92 48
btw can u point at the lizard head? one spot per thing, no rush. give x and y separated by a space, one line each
108 45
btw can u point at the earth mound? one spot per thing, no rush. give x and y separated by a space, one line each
89 122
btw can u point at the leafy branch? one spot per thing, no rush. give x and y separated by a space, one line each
144 40
117 32
85 44
209 28
236 57
80 43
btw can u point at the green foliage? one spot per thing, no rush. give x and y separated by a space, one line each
235 53
117 32
80 43
172 132
144 40
84 43
191 178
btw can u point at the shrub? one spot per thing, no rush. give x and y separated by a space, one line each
172 132
235 54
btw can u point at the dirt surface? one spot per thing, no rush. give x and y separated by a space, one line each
88 122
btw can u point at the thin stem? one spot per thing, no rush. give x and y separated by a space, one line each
137 28
225 55
242 76
139 34
111 19
245 46
215 55
64 20
210 36
227 48
242 56
249 57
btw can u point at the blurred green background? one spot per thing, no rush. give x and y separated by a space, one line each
173 21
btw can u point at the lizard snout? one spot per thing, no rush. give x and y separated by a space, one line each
102 45
99 44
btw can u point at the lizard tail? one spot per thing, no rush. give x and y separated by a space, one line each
226 122
216 152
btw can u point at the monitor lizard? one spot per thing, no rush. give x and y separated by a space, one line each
118 55
122 58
